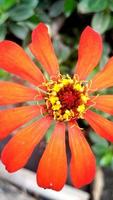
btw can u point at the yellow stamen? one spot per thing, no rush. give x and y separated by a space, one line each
78 87
56 107
81 108
84 98
53 99
57 87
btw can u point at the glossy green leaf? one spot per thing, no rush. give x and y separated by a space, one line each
111 5
98 140
98 5
31 3
6 4
62 51
99 150
69 6
101 21
21 12
88 6
3 31
3 17
57 8
42 16
106 159
19 31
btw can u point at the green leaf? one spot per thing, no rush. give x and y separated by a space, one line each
42 16
3 31
19 31
100 22
99 150
69 6
31 3
106 159
4 75
87 6
105 55
111 5
6 4
21 12
57 8
98 5
3 17
62 51
98 140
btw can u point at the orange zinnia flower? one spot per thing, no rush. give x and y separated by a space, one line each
65 99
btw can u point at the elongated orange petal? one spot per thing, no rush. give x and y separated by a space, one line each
104 78
42 48
13 118
52 169
89 52
14 60
18 150
11 93
82 166
101 126
104 103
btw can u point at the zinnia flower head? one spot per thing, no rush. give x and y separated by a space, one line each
65 100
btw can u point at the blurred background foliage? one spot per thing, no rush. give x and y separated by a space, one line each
66 19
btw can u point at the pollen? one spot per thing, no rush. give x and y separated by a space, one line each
78 87
81 108
53 99
57 87
84 98
66 98
56 107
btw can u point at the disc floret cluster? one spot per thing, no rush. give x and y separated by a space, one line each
66 98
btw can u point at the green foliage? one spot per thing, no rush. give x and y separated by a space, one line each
21 12
2 31
101 21
57 8
102 13
20 31
16 16
89 6
69 6
103 150
6 4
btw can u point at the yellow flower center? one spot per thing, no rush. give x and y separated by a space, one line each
66 98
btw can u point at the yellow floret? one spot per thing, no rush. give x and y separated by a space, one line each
78 87
67 114
53 93
66 81
84 98
56 107
81 108
53 99
57 87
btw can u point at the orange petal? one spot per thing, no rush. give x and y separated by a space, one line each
11 93
18 150
42 48
82 166
13 118
104 103
104 78
52 169
89 52
101 126
14 60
